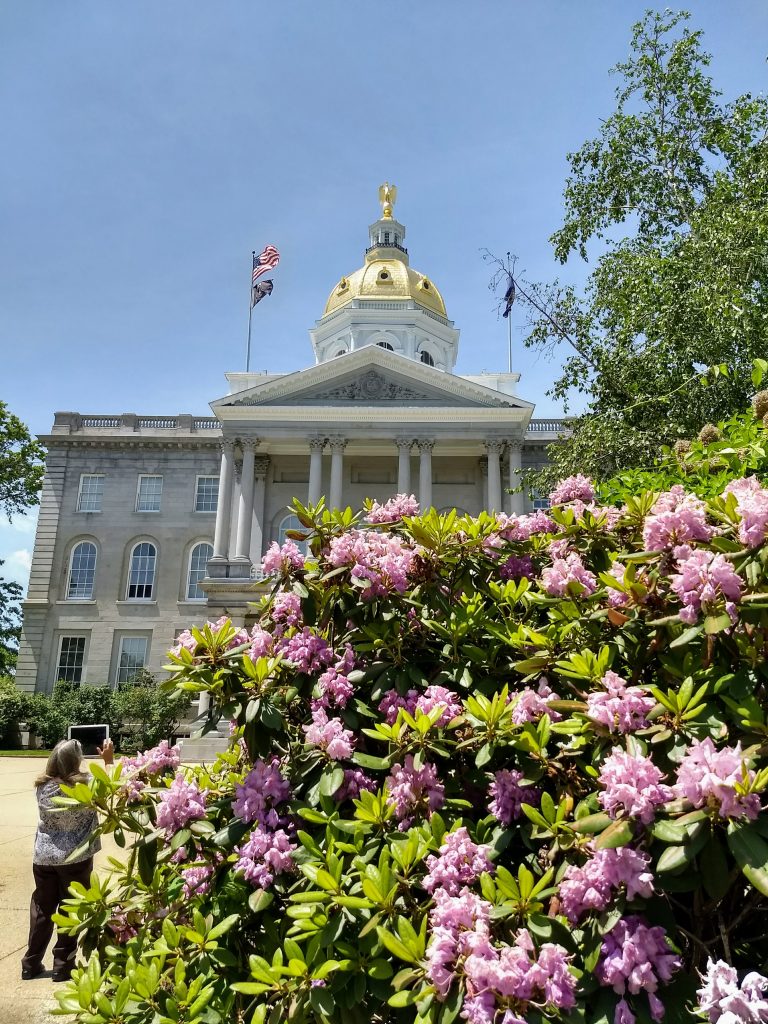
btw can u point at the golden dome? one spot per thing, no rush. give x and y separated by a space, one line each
381 279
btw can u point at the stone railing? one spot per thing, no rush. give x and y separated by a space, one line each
74 422
553 426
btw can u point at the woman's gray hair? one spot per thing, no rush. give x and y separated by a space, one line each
63 764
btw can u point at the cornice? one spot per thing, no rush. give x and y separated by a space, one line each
118 442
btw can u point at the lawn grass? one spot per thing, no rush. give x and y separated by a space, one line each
25 753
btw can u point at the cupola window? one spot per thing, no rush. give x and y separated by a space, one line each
427 359
386 238
386 345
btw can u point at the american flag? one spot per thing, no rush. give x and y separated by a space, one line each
265 261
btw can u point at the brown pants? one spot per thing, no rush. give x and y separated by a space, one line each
52 884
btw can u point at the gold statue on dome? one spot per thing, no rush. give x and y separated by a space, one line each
387 197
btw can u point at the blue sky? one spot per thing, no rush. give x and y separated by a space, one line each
148 147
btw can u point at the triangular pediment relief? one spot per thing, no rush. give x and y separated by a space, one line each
372 376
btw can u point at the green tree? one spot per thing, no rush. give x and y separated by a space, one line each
21 476
667 204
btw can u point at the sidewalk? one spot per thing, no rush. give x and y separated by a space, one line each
22 1002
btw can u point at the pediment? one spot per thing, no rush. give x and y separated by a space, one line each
372 377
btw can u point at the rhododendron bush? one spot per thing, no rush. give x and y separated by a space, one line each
500 770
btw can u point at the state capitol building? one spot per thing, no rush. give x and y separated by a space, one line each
149 524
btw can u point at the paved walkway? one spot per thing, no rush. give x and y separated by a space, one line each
22 1002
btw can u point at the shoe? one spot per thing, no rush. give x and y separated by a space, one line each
63 974
28 973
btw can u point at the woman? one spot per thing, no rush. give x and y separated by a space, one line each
59 832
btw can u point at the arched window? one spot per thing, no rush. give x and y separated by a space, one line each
341 352
290 522
198 560
141 574
386 345
82 572
427 359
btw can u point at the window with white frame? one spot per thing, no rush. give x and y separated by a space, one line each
71 659
198 560
206 494
141 572
290 522
148 493
131 659
82 571
426 358
91 492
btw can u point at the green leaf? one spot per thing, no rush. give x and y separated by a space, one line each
322 1001
592 823
259 900
330 780
395 946
618 834
750 851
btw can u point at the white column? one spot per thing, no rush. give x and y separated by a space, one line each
338 444
494 475
245 508
404 445
515 460
224 506
316 445
425 474
261 467
483 466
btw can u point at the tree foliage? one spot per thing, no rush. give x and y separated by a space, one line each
667 203
423 778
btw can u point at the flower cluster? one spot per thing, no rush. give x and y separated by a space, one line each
592 886
621 708
522 528
752 508
634 958
265 855
411 790
286 609
181 803
676 518
394 510
632 786
333 687
508 795
260 792
329 735
569 576
383 561
530 704
707 777
573 488
153 761
704 582
282 559
308 651
459 863
443 699
355 781
726 1001
392 701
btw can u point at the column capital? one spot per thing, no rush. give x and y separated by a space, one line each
337 444
404 442
494 446
316 444
425 444
249 444
261 465
227 445
514 444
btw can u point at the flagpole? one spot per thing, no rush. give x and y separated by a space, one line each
250 316
509 322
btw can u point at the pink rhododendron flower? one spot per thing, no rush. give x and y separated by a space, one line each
632 785
392 701
262 643
521 528
725 1001
568 576
355 781
282 559
263 788
459 862
676 518
605 516
411 790
707 777
286 609
197 880
443 698
591 887
184 639
530 705
752 507
620 708
333 687
516 567
154 760
635 958
121 927
382 560
265 855
177 806
306 650
456 923
508 796
573 488
394 510
704 582
330 735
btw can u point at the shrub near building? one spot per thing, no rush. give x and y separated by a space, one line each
507 768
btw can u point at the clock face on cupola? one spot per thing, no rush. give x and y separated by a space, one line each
386 302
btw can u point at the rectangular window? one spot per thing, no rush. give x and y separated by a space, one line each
149 493
71 659
131 659
91 492
207 494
